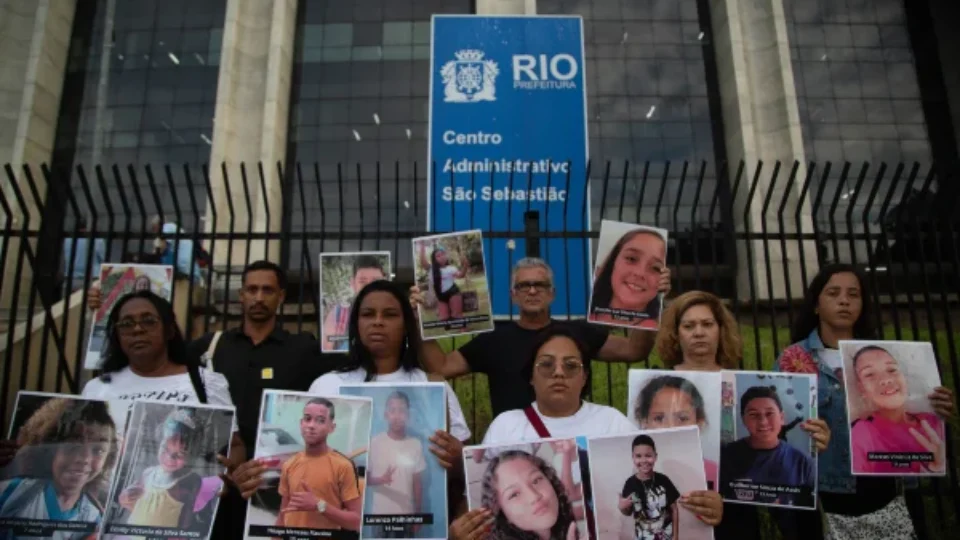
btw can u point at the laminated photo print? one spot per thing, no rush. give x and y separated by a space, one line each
660 399
630 258
168 480
342 276
406 487
765 457
450 269
117 281
638 479
59 480
314 450
523 486
893 428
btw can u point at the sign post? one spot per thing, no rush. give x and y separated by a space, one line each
508 136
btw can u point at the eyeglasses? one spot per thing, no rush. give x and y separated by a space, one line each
536 286
548 366
127 326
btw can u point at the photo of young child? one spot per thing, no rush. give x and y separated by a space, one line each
663 466
661 399
59 479
893 428
534 490
342 276
406 495
168 480
625 292
314 450
773 462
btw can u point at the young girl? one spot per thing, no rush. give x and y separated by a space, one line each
650 497
628 279
166 493
443 276
69 448
527 499
888 427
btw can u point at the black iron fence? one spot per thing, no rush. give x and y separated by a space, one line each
753 233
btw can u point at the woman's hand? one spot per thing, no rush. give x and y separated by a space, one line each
663 284
706 505
93 298
416 300
819 431
942 401
930 440
474 525
448 449
8 451
248 477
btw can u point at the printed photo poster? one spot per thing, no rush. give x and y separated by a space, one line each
765 458
630 258
69 446
893 428
637 489
314 449
116 281
342 276
661 399
406 488
168 480
522 484
450 269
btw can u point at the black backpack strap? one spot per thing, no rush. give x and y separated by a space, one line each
197 381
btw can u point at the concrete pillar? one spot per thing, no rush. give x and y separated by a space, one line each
34 44
761 122
250 123
506 7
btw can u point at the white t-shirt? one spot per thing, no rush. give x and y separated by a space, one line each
448 276
329 385
406 458
591 420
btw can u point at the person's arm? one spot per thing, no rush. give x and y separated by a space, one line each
448 365
635 347
347 517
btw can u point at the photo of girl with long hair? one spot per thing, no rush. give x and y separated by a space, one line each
893 428
630 259
529 492
62 470
450 268
168 482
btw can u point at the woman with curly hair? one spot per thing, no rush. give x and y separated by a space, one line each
68 449
527 499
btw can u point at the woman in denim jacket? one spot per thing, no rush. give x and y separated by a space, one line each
836 308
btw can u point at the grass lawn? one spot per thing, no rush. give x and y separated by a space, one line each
610 388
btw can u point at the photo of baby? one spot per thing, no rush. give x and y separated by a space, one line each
406 492
630 258
342 276
638 488
660 399
314 450
168 480
534 490
58 482
893 428
765 458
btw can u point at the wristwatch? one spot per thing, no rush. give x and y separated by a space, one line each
322 506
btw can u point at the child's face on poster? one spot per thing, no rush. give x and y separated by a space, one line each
397 414
644 459
880 381
763 419
315 424
79 461
172 455
671 407
364 277
526 495
636 271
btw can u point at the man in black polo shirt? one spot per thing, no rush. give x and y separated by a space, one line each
501 354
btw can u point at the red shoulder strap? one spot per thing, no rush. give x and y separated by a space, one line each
537 422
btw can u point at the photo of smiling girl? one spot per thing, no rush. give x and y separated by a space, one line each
894 430
630 258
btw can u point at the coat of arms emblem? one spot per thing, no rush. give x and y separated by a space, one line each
469 78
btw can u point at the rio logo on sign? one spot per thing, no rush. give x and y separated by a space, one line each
539 72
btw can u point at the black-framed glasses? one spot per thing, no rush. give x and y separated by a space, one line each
535 286
546 367
127 326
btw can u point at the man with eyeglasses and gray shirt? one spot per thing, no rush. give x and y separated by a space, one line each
500 354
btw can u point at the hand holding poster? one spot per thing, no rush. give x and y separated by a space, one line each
314 450
451 270
893 428
342 276
637 490
521 484
765 457
406 495
68 447
625 292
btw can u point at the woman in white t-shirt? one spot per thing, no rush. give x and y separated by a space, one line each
443 281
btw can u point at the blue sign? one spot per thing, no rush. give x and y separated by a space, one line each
508 136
